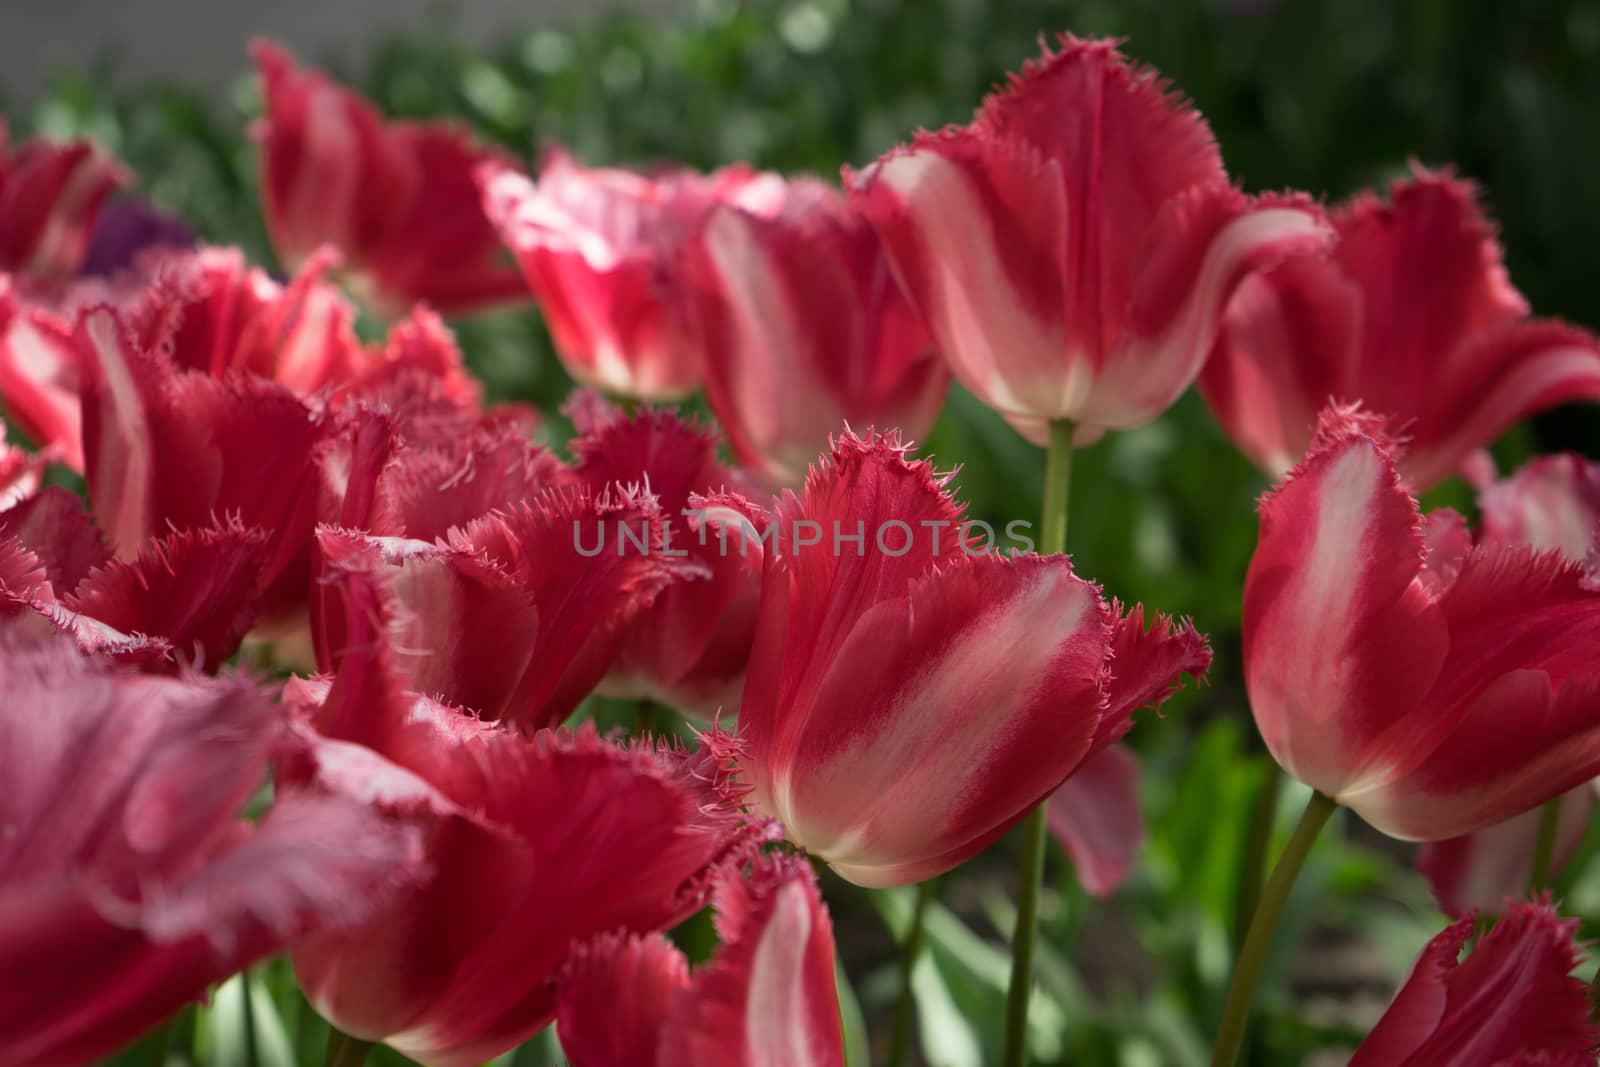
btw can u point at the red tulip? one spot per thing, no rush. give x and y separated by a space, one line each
131 885
1095 817
39 376
689 649
537 844
1513 1000
766 999
169 448
50 195
1552 504
803 329
398 199
904 710
1411 315
1433 688
20 472
1074 247
186 599
595 245
506 616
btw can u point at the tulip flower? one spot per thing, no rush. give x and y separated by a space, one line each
803 328
186 599
1513 1000
397 199
767 997
169 448
910 697
1432 688
39 376
689 649
20 472
50 196
131 885
595 245
1073 248
537 845
511 616
1552 504
130 230
1410 314
1094 815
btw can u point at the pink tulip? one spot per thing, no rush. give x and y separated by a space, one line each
397 199
1432 687
50 196
1411 315
1095 816
804 329
910 699
1074 246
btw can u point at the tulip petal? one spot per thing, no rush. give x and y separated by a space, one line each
53 525
1552 503
1095 817
616 996
50 196
1513 999
1341 642
39 376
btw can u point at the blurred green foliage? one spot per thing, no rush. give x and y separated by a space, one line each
1325 97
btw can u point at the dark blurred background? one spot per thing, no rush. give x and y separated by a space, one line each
1325 97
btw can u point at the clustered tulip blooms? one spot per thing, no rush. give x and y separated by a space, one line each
453 858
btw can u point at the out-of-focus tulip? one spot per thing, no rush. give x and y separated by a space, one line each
766 999
398 199
185 599
50 196
1432 687
1513 1000
1478 873
803 328
510 616
910 697
1073 248
537 845
1552 504
131 883
39 376
595 245
128 231
689 649
20 471
1095 817
1411 315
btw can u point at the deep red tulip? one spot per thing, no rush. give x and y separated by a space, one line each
398 199
185 599
131 884
511 616
1512 1001
1073 248
803 328
595 245
50 195
1095 816
170 449
537 844
1433 687
689 649
766 999
903 709
1411 315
